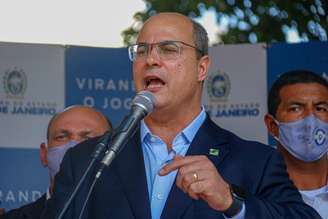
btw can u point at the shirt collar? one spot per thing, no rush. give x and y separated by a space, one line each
48 194
189 132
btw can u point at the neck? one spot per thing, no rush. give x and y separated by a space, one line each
306 175
167 125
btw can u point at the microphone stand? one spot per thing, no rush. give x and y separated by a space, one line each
104 141
142 104
111 155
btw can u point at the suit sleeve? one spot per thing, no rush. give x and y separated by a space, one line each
276 197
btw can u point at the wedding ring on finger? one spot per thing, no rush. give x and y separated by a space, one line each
195 176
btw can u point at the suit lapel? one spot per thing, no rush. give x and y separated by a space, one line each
211 141
131 171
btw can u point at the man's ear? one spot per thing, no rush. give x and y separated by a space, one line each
271 125
43 154
203 65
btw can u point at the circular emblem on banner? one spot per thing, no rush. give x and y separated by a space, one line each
15 83
319 136
218 86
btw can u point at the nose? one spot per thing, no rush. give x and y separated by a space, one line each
153 56
76 138
310 109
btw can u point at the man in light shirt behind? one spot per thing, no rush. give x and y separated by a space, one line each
298 120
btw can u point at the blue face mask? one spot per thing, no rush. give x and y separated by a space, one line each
55 156
305 139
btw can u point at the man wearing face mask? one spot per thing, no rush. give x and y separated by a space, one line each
298 120
66 129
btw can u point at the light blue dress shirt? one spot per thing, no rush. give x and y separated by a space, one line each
317 199
156 156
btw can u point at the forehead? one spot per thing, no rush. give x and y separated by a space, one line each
305 92
75 119
166 26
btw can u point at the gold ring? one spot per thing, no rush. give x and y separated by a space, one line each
195 176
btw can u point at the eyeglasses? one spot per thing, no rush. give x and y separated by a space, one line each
166 50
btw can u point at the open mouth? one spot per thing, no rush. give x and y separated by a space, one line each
153 82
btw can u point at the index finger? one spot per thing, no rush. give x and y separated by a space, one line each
178 162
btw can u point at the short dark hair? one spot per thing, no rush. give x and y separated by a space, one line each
200 38
290 78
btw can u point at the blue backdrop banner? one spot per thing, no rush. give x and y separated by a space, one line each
101 78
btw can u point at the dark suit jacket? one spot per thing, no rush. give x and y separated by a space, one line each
121 192
30 211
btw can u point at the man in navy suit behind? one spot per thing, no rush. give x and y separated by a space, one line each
179 164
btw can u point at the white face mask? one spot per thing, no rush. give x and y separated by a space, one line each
55 156
305 139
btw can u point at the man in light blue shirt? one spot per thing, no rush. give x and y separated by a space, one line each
180 164
172 64
156 155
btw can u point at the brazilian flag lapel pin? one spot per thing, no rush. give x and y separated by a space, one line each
214 151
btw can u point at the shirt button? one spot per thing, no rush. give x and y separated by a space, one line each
152 139
160 196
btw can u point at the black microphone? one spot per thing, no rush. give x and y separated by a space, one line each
142 105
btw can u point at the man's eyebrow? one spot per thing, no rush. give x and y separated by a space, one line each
60 131
321 102
85 132
295 102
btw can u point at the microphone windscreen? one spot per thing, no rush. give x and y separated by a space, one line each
146 100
